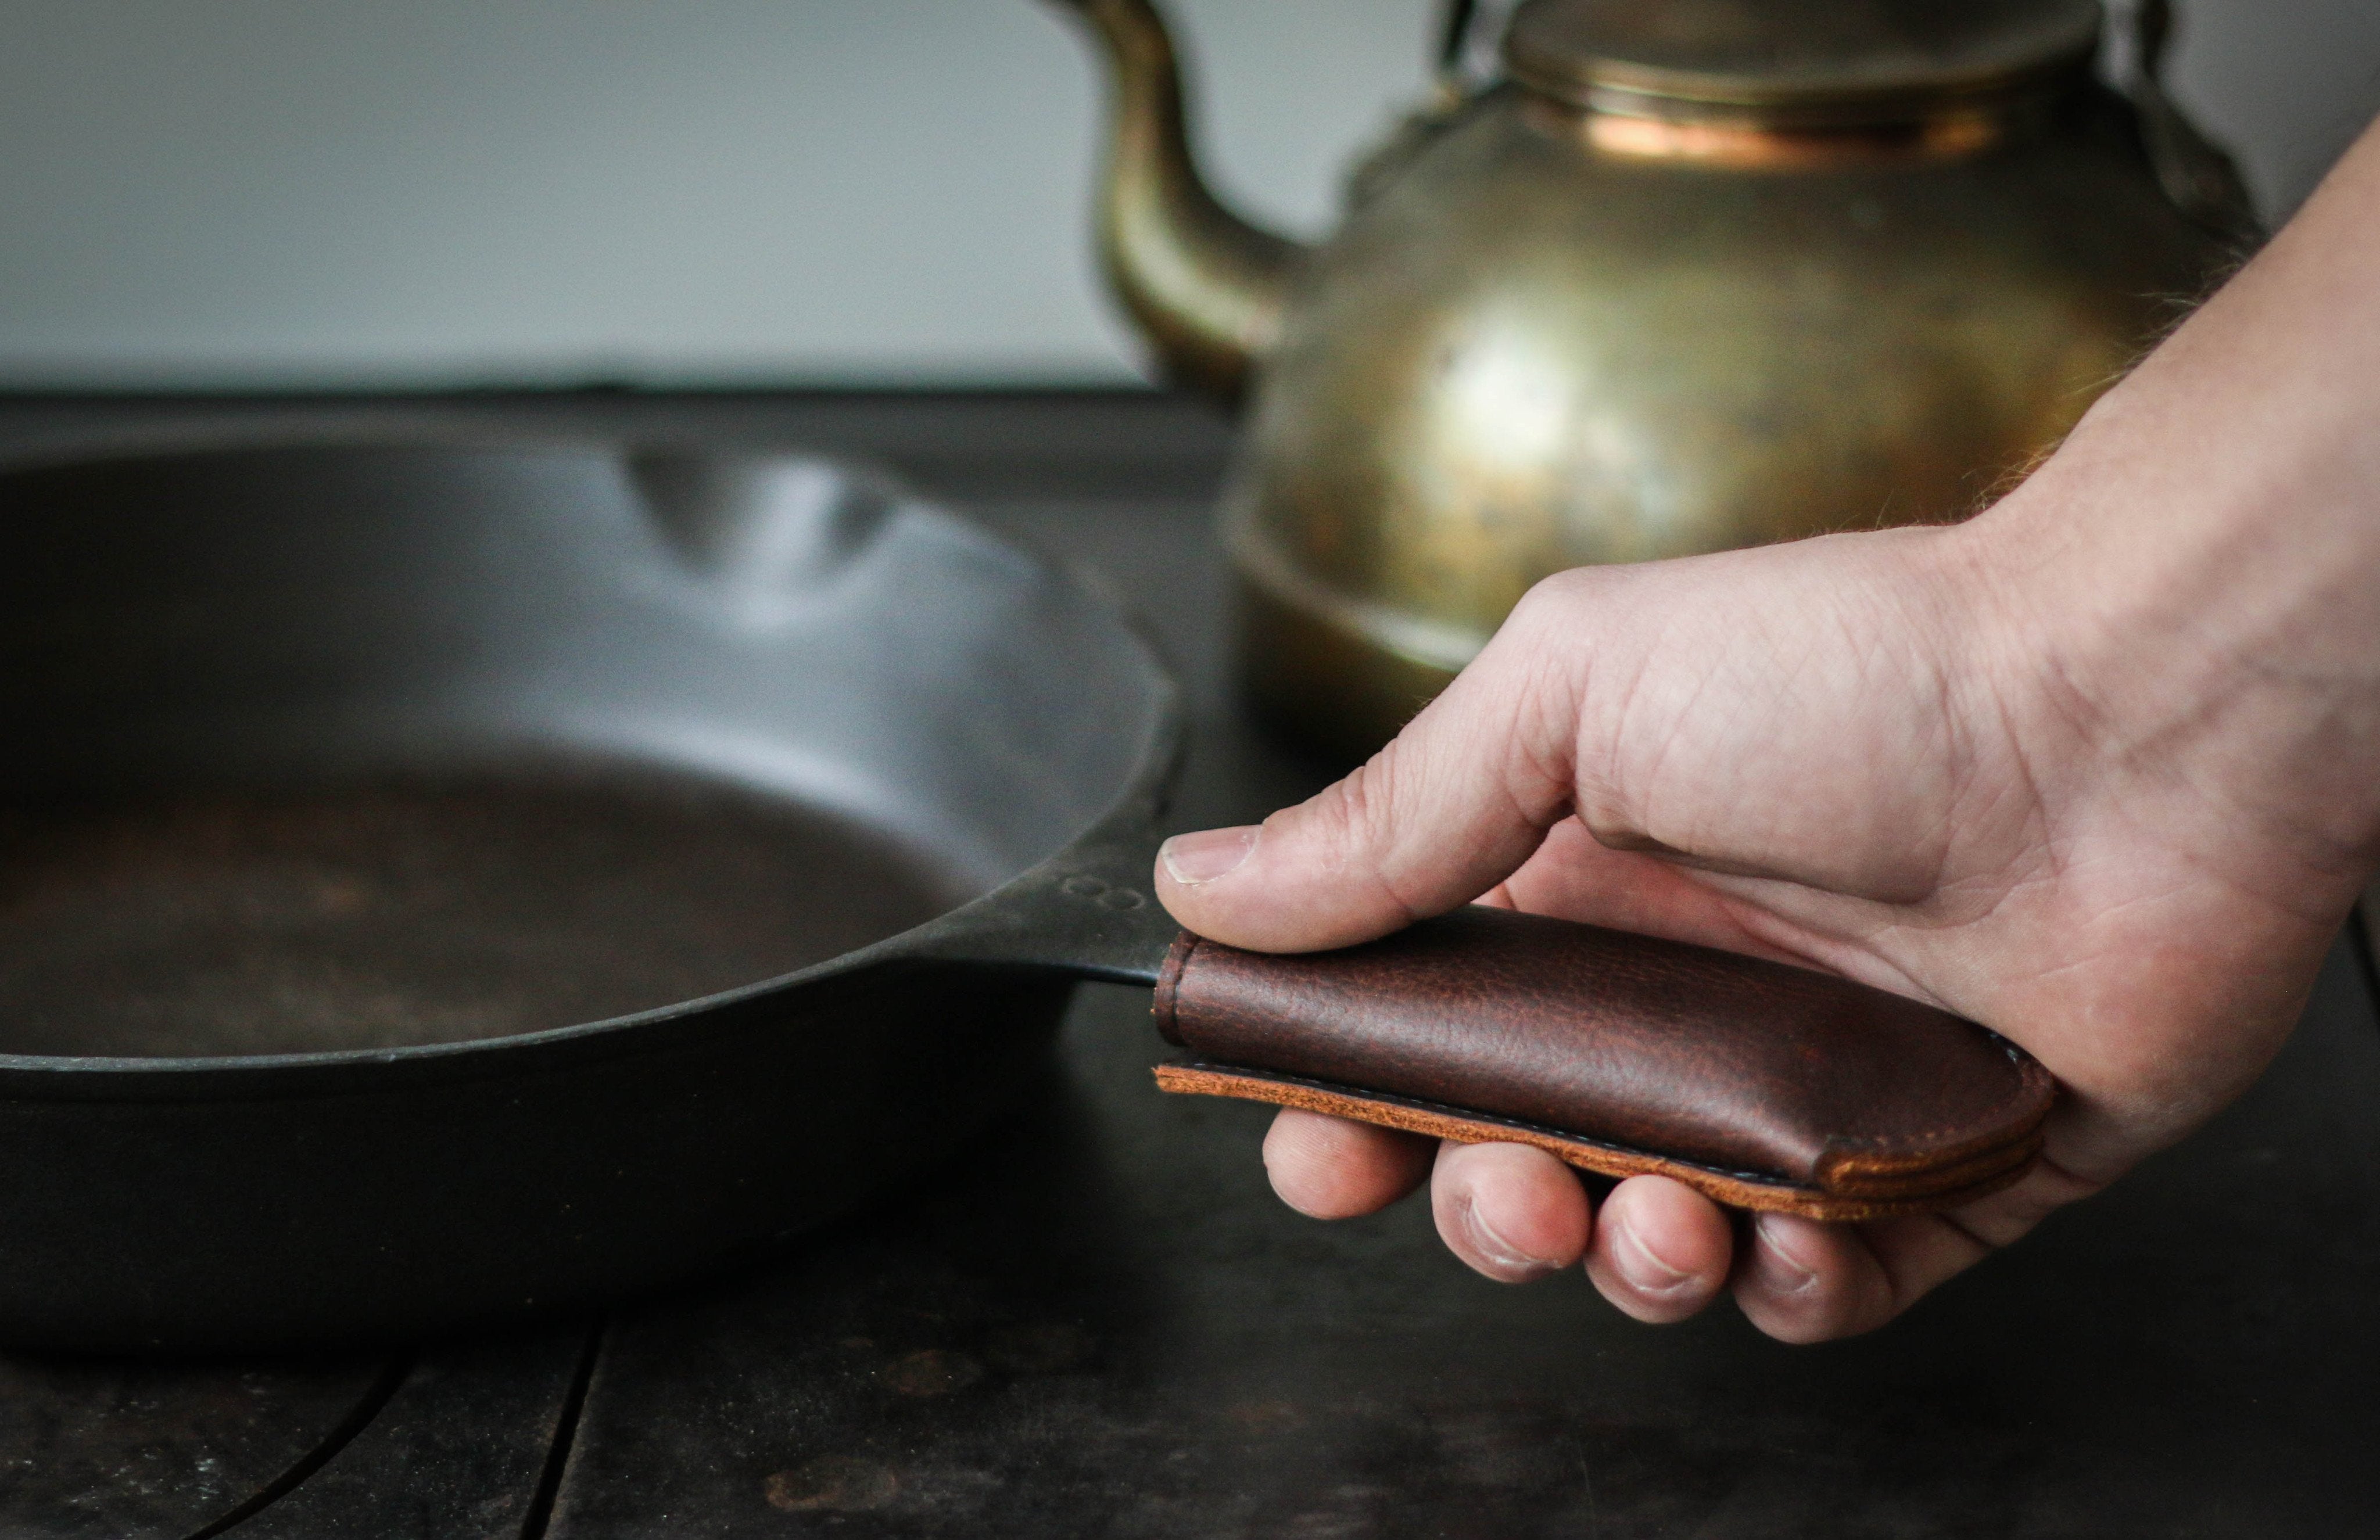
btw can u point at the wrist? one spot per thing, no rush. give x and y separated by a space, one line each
2192 616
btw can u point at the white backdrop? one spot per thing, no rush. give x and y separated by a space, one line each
358 192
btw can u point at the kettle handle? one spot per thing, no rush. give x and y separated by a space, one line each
1454 35
2197 176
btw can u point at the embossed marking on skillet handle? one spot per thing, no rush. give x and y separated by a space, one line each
1764 1085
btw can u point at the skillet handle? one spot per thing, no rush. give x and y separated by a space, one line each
1764 1085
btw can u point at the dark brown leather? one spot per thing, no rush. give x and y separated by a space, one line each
1766 1085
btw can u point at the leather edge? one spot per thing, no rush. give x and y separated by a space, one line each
1960 1183
1169 986
1859 1170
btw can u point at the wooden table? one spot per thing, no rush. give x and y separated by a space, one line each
1098 1322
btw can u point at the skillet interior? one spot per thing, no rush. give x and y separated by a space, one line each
360 747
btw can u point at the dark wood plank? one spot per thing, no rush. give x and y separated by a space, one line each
458 1452
970 445
106 1449
1101 1324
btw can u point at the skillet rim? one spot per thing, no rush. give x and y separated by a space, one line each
1129 816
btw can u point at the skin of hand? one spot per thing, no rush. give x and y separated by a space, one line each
2094 768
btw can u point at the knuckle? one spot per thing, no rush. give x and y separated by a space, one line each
1546 628
1557 598
1355 822
1347 816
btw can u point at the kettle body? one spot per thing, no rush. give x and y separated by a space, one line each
1556 329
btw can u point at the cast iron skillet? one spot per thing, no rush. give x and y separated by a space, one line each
444 882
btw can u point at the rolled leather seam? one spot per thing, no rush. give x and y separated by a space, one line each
1748 1190
1786 1087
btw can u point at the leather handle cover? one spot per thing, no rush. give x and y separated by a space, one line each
1764 1085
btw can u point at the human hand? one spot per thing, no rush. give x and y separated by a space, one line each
2092 769
1830 753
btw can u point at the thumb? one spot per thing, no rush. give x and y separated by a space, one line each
1445 812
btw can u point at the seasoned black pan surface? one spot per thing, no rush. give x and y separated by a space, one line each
423 911
442 881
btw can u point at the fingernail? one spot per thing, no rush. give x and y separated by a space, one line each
1779 1270
1643 1271
1499 1253
1191 859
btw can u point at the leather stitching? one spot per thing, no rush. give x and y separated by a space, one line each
2030 1076
1757 1179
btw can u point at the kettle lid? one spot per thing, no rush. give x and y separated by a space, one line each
1805 61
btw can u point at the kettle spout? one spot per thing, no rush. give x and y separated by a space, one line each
1206 287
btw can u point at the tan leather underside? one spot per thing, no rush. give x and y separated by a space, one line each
1736 1190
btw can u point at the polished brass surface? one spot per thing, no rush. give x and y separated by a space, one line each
1550 333
1748 146
1203 286
1819 61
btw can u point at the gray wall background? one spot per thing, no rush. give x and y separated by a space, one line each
425 192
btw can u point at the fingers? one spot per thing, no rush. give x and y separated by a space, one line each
1331 1169
1574 877
1661 1250
1658 1251
1511 1212
1803 1281
1442 814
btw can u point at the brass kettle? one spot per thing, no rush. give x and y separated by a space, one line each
1690 274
